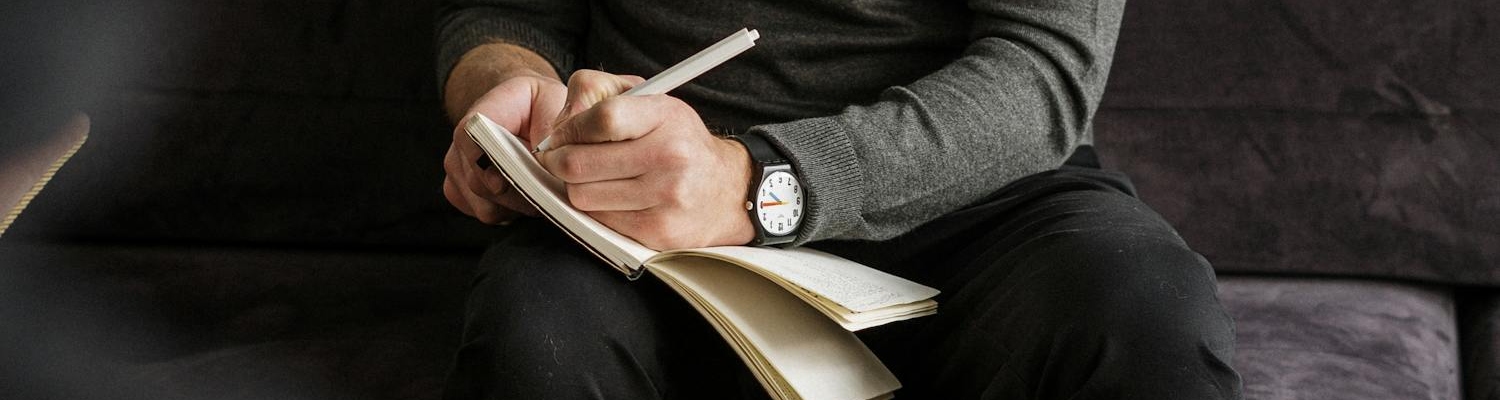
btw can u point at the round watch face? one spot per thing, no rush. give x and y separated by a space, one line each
778 205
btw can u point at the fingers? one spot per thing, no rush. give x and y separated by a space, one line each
643 193
482 194
583 163
524 105
617 119
487 184
474 206
456 197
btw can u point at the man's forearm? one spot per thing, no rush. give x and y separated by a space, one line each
484 67
1017 102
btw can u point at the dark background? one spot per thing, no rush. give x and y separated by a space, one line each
257 212
1278 137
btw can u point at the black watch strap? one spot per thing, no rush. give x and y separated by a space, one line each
761 150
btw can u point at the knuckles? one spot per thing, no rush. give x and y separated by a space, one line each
674 154
676 106
608 115
587 86
675 194
570 168
588 81
450 164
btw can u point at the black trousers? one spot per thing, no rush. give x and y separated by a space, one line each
1062 285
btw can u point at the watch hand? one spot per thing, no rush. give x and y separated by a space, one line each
771 203
773 195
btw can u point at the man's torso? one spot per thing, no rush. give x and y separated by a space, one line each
814 56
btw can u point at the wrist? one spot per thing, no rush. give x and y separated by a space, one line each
740 169
774 197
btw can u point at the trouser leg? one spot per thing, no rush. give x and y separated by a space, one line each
545 320
1064 288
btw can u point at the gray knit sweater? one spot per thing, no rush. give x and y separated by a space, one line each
895 112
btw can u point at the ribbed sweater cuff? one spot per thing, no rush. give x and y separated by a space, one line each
823 155
463 30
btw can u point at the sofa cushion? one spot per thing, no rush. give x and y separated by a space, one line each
163 322
1301 137
1336 339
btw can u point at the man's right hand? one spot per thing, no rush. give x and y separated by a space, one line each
524 96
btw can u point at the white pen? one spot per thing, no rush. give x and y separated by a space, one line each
688 69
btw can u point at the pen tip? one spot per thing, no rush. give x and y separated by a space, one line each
754 34
542 146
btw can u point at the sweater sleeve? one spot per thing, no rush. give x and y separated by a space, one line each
1017 102
551 28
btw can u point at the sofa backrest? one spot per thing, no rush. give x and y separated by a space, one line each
250 123
1356 138
1353 137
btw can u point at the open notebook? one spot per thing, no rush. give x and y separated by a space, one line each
789 314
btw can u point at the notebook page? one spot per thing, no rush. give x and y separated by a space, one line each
805 350
849 284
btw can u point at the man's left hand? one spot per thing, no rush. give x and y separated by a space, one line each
647 166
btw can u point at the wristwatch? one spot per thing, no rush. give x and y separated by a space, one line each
775 198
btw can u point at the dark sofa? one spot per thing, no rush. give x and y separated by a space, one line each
257 213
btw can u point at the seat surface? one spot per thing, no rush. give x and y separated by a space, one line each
165 322
1334 339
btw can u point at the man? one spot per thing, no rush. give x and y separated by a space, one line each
945 142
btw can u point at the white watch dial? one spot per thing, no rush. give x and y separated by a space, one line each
778 205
